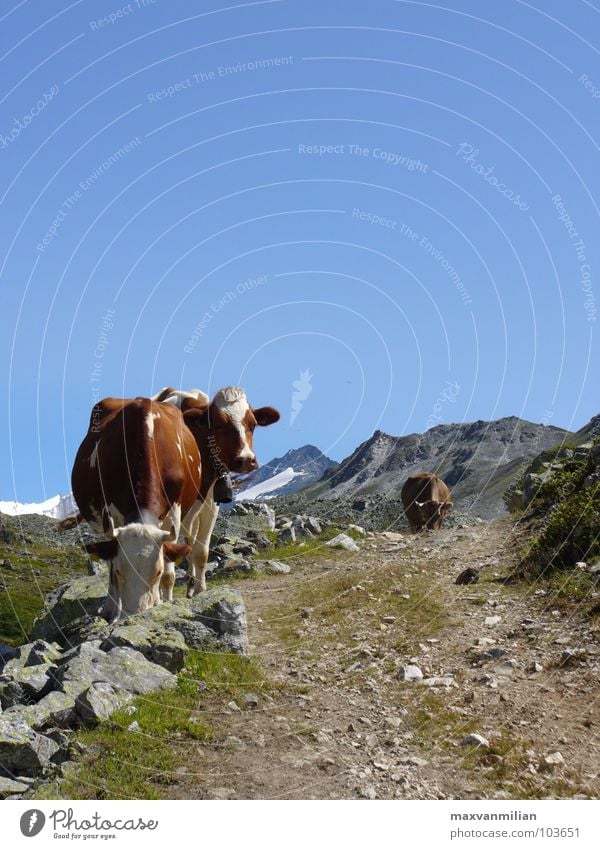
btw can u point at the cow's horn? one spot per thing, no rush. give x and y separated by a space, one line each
109 525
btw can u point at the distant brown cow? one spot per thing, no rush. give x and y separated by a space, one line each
136 472
426 501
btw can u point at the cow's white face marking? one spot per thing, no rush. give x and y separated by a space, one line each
233 403
94 455
150 423
138 566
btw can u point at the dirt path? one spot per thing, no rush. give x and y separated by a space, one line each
335 720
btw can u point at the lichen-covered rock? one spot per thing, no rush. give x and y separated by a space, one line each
84 629
22 750
99 701
159 644
82 596
210 621
11 787
55 709
123 667
40 652
23 683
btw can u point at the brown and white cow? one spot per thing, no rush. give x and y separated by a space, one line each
426 501
223 430
136 472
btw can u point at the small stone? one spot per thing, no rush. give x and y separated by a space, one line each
468 576
535 666
251 700
234 742
389 620
343 541
134 726
368 792
232 705
490 621
475 740
552 760
409 673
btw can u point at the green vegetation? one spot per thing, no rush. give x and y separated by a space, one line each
302 546
122 764
339 602
31 569
565 514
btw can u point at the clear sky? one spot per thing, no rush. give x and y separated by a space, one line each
370 215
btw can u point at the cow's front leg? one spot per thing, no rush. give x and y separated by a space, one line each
167 581
197 569
200 543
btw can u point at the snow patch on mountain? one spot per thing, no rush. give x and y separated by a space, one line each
57 507
278 481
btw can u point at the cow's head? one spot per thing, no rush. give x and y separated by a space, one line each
229 422
432 513
136 555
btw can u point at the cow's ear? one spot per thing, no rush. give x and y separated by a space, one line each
175 552
194 413
266 416
105 550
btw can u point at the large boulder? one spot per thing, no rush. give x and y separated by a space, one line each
56 709
82 596
27 684
122 667
99 701
22 750
210 621
158 643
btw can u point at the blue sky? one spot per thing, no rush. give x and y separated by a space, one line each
393 203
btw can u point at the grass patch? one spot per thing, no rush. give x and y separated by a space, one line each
564 515
343 601
23 587
122 764
303 546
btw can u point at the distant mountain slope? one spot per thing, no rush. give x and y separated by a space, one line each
285 475
56 507
477 460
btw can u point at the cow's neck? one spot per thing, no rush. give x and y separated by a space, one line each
214 472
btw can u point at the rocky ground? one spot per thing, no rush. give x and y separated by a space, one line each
371 674
384 679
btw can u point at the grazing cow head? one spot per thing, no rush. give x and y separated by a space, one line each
136 554
432 513
230 422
